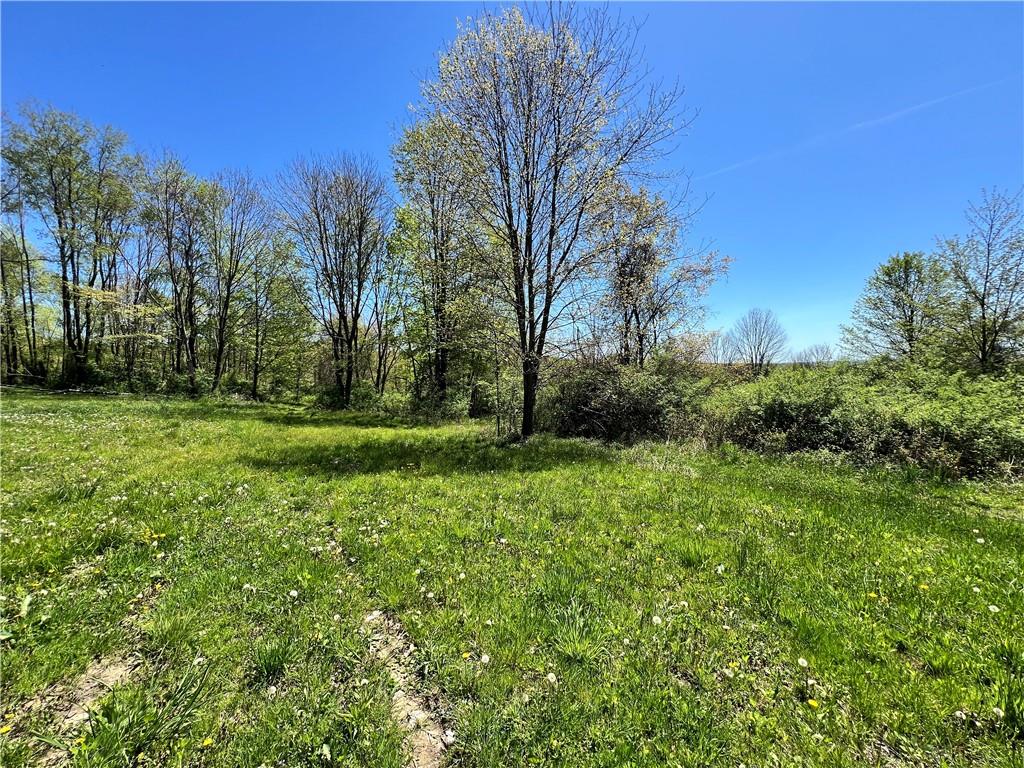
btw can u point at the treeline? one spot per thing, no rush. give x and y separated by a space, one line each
520 230
517 262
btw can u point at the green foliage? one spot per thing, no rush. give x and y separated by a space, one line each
607 401
952 424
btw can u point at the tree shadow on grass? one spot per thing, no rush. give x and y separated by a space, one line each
425 454
287 415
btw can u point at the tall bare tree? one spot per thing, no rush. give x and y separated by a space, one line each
987 269
235 229
335 209
175 202
758 340
554 105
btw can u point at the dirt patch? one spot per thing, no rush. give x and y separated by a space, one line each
410 707
66 705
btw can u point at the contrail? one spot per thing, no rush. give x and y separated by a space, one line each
821 137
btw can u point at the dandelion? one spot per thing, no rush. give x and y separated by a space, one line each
980 539
466 655
873 595
5 729
207 742
485 659
430 595
802 662
552 679
271 690
922 586
337 617
462 576
813 703
656 621
994 608
293 593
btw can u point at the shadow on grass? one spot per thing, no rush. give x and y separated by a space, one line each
426 454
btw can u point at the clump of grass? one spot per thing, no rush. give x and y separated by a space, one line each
141 720
168 634
578 635
270 658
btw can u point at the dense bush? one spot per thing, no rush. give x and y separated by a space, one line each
955 424
607 401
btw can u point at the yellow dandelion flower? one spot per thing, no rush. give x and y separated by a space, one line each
812 703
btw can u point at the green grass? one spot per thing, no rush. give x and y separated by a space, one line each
669 594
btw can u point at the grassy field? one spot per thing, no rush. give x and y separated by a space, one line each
199 576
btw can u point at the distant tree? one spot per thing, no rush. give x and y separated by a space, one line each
335 210
987 273
553 108
758 340
175 202
21 262
718 349
653 285
77 180
235 229
899 313
276 324
814 355
434 238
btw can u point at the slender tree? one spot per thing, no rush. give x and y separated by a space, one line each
987 271
235 230
653 285
553 108
335 209
434 236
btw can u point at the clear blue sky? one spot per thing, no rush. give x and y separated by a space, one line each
829 136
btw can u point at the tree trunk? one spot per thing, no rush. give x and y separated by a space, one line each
530 379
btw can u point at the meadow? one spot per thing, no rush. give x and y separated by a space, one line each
218 584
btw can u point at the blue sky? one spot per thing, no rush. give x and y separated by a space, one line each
829 135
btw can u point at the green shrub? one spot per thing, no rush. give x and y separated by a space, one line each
953 424
607 401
